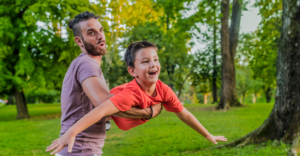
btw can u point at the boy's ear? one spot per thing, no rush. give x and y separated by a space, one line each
79 41
131 71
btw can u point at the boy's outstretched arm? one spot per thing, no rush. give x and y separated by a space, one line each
189 119
68 138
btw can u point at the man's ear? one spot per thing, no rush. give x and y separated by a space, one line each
79 41
131 71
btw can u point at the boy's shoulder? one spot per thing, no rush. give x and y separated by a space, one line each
162 85
131 86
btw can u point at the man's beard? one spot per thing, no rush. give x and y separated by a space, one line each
92 50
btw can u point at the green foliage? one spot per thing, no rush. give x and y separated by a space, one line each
163 135
195 99
260 47
245 83
42 96
35 54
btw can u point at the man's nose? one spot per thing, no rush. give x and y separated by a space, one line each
100 36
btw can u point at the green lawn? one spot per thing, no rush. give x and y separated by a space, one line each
163 135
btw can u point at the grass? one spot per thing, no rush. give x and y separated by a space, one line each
163 135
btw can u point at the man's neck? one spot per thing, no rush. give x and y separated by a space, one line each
97 58
148 89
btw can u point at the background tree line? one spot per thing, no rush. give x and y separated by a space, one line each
37 47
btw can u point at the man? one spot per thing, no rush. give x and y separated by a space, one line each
84 88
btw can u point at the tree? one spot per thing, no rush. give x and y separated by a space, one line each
33 53
229 42
264 49
210 13
283 122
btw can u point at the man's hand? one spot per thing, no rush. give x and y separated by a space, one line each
156 109
139 113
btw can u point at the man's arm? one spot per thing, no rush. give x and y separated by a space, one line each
95 88
137 112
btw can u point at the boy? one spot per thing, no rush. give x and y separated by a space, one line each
144 91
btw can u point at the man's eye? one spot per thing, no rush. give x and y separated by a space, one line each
145 61
91 33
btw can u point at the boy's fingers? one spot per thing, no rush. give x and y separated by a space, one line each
221 138
57 150
55 141
214 142
70 146
55 144
52 147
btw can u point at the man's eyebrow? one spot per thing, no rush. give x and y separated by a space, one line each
94 29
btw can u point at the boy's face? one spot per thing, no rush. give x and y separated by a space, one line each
146 66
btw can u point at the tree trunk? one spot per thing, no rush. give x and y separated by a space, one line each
170 71
229 43
215 74
254 98
181 86
21 105
284 119
11 100
170 67
268 94
205 98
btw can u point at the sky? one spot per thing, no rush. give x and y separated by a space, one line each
250 19
249 22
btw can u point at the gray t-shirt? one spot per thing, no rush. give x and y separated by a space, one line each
75 104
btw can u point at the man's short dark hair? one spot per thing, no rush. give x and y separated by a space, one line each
133 48
74 23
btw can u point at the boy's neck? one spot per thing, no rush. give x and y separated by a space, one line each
148 89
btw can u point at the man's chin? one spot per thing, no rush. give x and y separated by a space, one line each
101 53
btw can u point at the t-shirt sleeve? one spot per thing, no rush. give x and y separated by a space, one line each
171 102
88 69
126 99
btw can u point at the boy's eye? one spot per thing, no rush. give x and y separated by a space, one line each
155 59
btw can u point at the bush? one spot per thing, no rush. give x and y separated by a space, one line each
42 96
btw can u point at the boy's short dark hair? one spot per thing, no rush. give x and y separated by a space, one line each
133 48
74 23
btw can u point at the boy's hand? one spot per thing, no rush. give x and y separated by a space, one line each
58 144
214 139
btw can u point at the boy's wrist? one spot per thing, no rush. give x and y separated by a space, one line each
151 114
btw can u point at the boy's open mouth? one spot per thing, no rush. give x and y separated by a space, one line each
152 73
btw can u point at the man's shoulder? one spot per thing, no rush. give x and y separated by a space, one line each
84 59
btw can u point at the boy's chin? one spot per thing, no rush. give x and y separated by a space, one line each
152 81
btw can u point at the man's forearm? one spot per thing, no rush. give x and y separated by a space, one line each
135 113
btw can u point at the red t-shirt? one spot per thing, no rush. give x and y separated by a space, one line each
131 94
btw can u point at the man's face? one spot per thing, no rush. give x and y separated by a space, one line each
93 37
147 66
